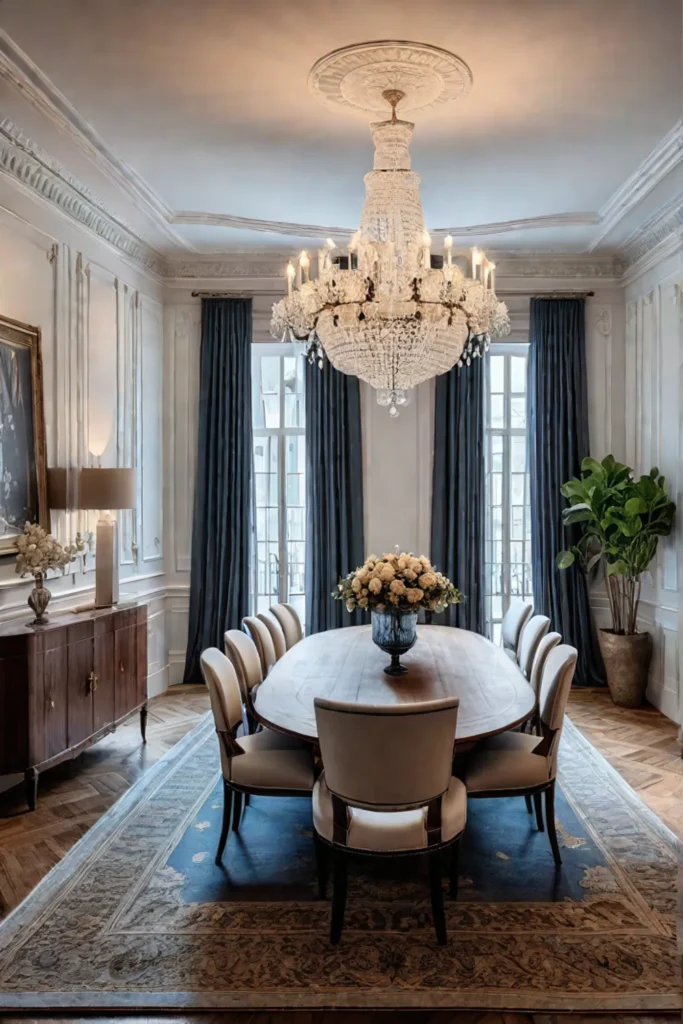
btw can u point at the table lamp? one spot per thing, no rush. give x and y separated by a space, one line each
106 490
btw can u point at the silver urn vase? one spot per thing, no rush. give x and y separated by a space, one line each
394 632
38 601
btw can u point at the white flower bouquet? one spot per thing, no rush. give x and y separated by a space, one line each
39 551
397 582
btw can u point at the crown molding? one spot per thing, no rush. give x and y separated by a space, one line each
33 170
558 265
27 78
666 156
663 223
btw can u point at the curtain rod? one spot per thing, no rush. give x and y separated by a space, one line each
222 295
564 295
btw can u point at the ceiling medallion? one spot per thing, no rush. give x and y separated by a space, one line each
386 308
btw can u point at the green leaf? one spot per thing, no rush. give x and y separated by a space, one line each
590 465
575 514
634 506
565 559
618 568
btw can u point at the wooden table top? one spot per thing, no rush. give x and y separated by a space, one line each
344 664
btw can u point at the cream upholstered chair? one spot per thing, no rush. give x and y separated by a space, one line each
512 626
260 634
544 648
276 633
387 790
244 655
290 622
263 763
517 764
533 632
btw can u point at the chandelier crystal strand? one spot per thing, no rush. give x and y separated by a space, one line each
388 311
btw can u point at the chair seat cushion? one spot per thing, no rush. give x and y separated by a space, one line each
391 831
505 762
272 761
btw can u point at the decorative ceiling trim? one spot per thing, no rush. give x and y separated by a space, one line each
320 231
663 159
656 228
27 78
27 165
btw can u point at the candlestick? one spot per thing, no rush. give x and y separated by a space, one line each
304 267
290 274
448 247
492 276
427 250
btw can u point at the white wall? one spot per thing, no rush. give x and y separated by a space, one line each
102 342
654 425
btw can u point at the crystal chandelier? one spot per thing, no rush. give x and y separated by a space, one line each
388 309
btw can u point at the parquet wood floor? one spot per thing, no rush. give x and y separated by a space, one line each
640 744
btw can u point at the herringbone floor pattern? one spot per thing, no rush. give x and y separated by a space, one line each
74 795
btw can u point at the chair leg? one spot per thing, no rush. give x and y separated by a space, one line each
236 811
539 812
436 893
527 801
339 877
247 799
321 865
455 869
550 821
227 808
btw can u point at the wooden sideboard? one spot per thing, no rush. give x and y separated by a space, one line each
65 685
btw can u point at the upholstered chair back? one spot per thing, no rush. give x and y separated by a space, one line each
533 632
224 691
556 682
545 645
276 633
290 622
387 757
244 655
513 623
260 634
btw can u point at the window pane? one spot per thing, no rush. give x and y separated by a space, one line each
517 488
497 374
497 407
496 453
270 391
517 374
518 454
517 413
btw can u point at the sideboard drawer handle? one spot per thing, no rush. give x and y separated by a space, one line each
92 682
121 667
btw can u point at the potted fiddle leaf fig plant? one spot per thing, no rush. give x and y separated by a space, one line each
621 521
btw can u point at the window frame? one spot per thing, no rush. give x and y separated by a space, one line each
282 350
507 432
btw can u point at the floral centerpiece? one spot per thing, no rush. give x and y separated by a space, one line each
39 552
394 587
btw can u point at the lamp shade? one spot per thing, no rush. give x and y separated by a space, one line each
107 489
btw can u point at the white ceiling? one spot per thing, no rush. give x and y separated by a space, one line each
206 102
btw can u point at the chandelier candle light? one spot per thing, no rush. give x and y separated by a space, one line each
389 310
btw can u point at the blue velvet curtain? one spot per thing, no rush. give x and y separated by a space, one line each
558 441
219 588
458 491
334 493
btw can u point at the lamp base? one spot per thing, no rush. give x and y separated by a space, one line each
106 564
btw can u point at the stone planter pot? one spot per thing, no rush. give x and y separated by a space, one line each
627 663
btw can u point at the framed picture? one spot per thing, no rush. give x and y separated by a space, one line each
23 466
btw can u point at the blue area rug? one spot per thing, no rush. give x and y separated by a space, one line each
138 916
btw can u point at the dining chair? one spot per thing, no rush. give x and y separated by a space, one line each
276 633
512 625
263 763
244 655
533 632
260 634
387 790
290 622
519 764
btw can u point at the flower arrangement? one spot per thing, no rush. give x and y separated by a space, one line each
401 582
39 552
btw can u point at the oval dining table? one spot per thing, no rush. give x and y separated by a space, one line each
344 664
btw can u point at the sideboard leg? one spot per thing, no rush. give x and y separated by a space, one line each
143 722
31 784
